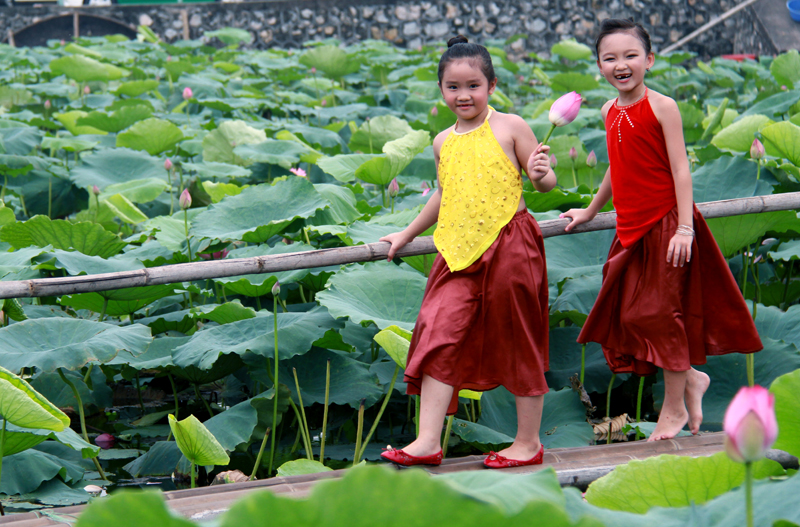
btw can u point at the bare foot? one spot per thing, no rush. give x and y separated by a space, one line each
521 452
421 448
696 385
669 424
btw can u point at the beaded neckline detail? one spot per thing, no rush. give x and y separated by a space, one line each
624 114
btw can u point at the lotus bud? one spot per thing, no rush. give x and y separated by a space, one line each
47 104
394 188
298 172
313 71
276 289
63 42
750 424
95 190
425 188
591 160
169 58
573 154
185 200
86 90
167 164
187 93
757 150
105 441
553 161
434 111
565 109
323 103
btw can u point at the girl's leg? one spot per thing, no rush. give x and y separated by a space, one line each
529 418
696 385
435 397
673 415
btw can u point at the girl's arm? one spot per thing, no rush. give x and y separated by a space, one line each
667 113
429 213
533 157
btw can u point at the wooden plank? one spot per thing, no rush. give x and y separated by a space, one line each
169 274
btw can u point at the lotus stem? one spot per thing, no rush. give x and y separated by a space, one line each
22 203
392 205
305 234
748 491
359 431
304 421
447 435
751 374
383 196
301 428
583 361
608 405
175 396
88 377
549 133
171 197
275 381
369 134
574 177
103 312
380 412
82 417
302 294
260 453
192 475
96 207
139 393
186 229
639 404
758 170
788 280
324 433
205 403
49 195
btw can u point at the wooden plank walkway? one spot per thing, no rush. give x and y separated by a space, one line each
575 467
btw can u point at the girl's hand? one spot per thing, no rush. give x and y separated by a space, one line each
680 250
539 163
577 216
398 240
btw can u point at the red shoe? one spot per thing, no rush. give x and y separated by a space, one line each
495 460
398 457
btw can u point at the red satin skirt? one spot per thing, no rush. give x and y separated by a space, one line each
486 325
652 315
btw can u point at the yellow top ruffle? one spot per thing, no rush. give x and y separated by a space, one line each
481 189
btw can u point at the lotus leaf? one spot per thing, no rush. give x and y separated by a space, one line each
234 426
132 508
577 255
57 392
573 81
160 460
23 406
571 50
68 144
343 167
342 210
136 88
256 285
84 69
396 341
218 146
331 60
25 471
116 121
158 354
20 140
118 302
773 106
779 325
197 443
565 361
301 467
273 152
784 137
137 191
19 439
786 68
50 343
739 135
371 136
787 404
116 165
231 36
154 136
210 170
70 122
88 238
12 165
259 212
397 156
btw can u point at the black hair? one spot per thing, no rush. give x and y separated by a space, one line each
610 26
459 47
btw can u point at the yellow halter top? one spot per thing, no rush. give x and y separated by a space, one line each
481 189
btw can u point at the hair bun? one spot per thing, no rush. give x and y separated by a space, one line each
458 39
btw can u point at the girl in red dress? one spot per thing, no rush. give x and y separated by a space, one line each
668 298
484 316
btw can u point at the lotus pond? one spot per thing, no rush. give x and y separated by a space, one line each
86 130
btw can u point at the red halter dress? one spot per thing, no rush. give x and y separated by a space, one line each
650 314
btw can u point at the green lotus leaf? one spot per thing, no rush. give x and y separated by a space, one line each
576 255
396 342
225 365
154 136
784 138
218 145
141 190
117 120
70 122
234 426
301 467
256 285
272 152
51 343
571 50
157 356
296 333
779 325
136 88
116 165
10 97
219 191
739 135
786 68
23 406
380 293
161 460
726 178
20 139
334 62
12 165
231 36
210 170
121 207
170 231
737 232
325 139
786 390
573 81
26 471
259 212
84 69
672 481
342 210
132 508
118 302
773 106
565 361
68 144
375 133
343 167
88 238
787 251
197 443
18 439
398 154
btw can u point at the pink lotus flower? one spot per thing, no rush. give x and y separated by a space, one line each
564 111
573 154
434 111
298 172
185 200
95 190
105 441
394 188
86 90
167 164
757 150
47 104
313 70
750 425
276 289
591 160
425 188
187 93
219 255
323 103
553 161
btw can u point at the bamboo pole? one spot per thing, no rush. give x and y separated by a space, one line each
169 274
705 27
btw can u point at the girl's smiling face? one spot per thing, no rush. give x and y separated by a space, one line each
466 89
623 61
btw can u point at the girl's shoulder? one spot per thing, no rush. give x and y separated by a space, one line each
606 107
663 106
440 138
509 124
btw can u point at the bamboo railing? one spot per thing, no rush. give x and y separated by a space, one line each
169 274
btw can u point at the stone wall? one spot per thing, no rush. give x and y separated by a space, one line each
414 23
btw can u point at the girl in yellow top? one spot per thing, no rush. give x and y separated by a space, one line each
484 318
